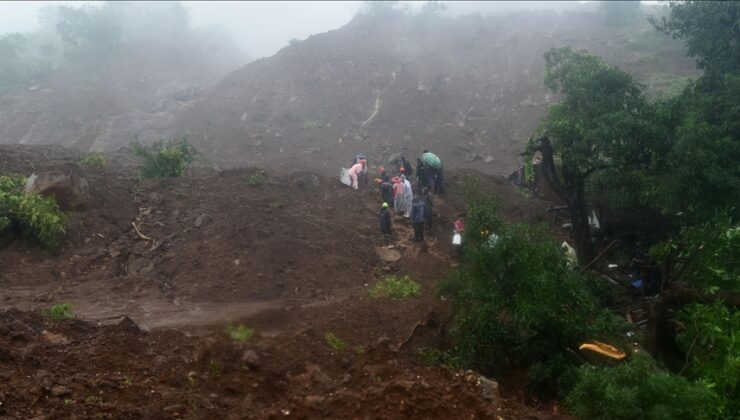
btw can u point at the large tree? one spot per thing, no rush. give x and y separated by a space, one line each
702 171
602 122
711 30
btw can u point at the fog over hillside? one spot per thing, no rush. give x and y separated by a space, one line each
261 28
383 78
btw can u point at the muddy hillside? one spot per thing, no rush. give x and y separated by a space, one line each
468 88
161 274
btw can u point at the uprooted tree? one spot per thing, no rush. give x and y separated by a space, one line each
602 122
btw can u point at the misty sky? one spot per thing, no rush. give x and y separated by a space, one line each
260 28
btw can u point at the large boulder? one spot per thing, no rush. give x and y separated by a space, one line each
67 189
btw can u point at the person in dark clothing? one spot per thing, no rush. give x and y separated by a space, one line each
421 174
417 218
407 168
438 182
427 208
385 223
386 191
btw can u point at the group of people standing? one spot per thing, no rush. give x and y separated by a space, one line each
396 192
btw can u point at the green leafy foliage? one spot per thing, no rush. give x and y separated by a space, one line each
334 342
638 389
711 342
603 120
240 333
395 287
704 255
165 158
711 31
256 180
518 304
700 173
481 219
60 312
94 161
28 213
215 368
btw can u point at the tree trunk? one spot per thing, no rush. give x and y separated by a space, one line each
580 226
661 337
573 193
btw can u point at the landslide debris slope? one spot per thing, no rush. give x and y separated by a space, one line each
156 270
468 88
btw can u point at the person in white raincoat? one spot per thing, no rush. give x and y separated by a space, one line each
408 195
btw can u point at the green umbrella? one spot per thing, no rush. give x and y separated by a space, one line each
432 160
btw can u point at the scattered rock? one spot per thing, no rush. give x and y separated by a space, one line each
126 324
59 391
174 408
203 218
67 189
156 198
54 338
387 255
383 342
307 181
251 358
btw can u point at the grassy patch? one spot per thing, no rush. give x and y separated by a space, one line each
334 342
395 288
308 123
60 312
214 367
276 205
94 161
256 180
165 159
240 333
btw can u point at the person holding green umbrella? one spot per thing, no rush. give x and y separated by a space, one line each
434 167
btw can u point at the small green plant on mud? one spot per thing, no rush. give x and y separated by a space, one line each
28 213
94 399
395 288
359 349
214 367
60 312
431 356
256 180
276 205
165 159
309 123
334 342
94 161
240 333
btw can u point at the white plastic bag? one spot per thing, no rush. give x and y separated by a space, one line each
456 239
344 177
